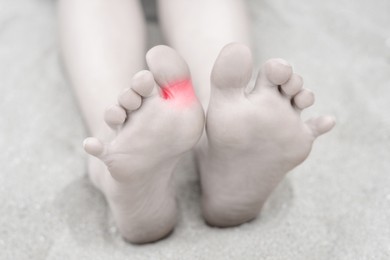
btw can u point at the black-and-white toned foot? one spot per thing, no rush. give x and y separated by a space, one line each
155 121
253 138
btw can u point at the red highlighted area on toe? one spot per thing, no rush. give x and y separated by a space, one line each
179 92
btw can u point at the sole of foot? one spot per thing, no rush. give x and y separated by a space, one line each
156 120
253 137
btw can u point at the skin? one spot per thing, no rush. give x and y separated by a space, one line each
252 138
139 185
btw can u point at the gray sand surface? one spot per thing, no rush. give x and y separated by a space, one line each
334 206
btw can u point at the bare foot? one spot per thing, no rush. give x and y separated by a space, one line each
157 120
253 139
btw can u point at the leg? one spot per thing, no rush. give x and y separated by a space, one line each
103 44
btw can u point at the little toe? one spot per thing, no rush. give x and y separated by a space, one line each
293 85
143 83
129 99
93 146
233 67
321 125
115 116
303 99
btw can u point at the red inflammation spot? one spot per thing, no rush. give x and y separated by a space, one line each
181 92
166 94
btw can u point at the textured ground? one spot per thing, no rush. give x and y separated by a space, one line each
335 206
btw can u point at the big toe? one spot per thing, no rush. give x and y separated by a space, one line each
166 65
233 67
171 73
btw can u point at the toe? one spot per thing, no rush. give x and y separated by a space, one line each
277 71
143 83
93 146
321 125
166 65
171 73
303 99
293 85
274 72
129 99
233 67
115 116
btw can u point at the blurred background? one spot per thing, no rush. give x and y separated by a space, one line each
334 206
